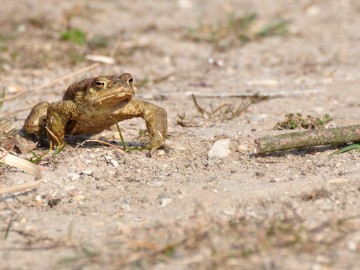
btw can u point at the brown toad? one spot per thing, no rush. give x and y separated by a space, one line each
93 105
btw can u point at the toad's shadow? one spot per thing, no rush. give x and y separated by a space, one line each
87 141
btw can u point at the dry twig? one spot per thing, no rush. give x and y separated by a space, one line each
302 139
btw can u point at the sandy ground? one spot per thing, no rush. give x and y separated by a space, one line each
99 208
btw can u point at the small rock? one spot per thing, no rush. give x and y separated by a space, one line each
254 118
354 244
242 148
160 153
259 174
229 212
126 207
87 172
102 186
313 11
165 201
186 4
53 202
275 180
78 198
158 184
73 177
220 149
338 181
114 163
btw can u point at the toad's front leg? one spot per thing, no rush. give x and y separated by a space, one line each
155 118
58 115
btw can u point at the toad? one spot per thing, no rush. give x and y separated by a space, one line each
93 105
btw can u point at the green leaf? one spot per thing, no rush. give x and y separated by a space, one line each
274 28
74 35
354 146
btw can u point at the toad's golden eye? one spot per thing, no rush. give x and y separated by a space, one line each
99 84
130 81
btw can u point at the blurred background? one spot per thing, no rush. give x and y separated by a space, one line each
174 40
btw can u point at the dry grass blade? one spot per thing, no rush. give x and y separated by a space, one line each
48 84
224 111
204 113
23 164
19 188
20 163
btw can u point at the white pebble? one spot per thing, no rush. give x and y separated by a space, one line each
338 181
114 163
220 149
88 172
73 177
126 207
164 202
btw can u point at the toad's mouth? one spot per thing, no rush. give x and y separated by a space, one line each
112 98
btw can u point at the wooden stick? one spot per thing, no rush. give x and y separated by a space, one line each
49 83
302 139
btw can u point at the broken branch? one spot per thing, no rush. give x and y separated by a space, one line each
302 139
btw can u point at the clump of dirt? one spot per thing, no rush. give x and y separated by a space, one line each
315 195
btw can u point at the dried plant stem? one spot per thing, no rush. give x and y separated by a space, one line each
302 139
22 187
48 84
23 164
20 163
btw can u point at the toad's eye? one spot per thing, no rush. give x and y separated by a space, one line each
130 81
99 84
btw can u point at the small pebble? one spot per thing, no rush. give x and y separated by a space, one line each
88 172
78 198
229 212
164 202
126 207
220 149
254 118
352 245
242 148
160 153
158 184
338 181
73 177
114 163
